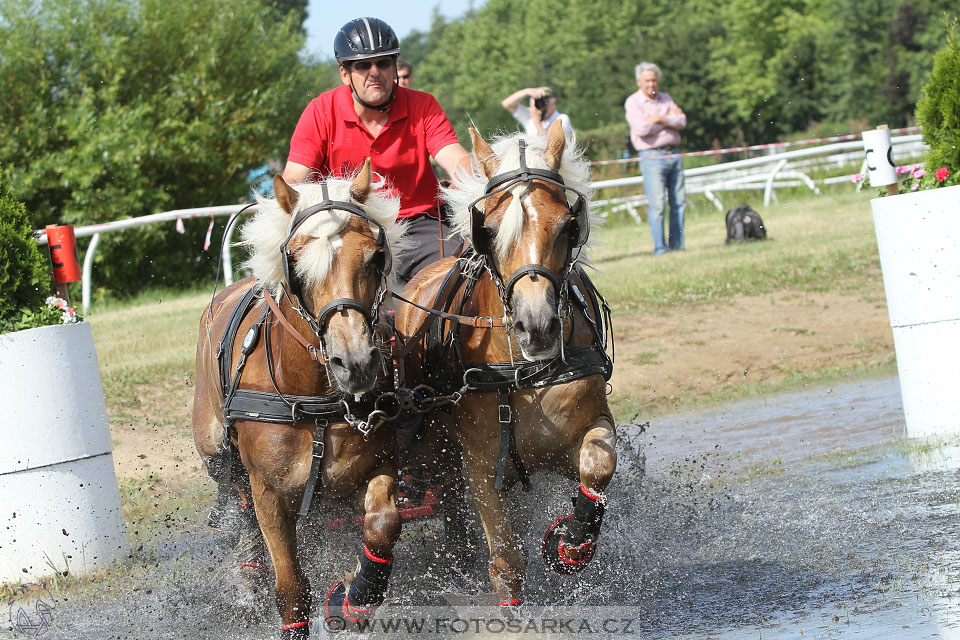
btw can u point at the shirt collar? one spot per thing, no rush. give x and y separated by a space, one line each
643 96
397 111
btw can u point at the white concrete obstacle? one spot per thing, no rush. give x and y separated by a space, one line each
918 237
59 502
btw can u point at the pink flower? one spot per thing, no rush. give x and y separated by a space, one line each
857 178
916 185
70 310
903 170
941 174
918 173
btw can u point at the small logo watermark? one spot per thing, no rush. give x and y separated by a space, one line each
30 609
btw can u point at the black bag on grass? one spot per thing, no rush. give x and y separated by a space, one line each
743 223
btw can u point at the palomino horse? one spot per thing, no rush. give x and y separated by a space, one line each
531 346
285 396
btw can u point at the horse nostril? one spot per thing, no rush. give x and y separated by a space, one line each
518 326
555 326
337 362
374 360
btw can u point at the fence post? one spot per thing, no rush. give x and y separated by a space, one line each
768 191
88 271
227 257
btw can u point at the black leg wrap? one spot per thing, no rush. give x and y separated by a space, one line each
587 518
574 534
367 592
369 588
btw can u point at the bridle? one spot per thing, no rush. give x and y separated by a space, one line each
292 284
578 230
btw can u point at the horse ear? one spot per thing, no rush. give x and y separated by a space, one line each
360 188
556 140
287 197
484 154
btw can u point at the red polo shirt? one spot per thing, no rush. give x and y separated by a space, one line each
331 139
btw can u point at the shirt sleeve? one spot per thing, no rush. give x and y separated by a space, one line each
439 131
522 115
676 122
308 144
637 119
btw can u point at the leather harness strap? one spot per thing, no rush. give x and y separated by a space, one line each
266 406
508 444
504 377
312 350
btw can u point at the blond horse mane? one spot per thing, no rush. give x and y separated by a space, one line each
266 231
467 188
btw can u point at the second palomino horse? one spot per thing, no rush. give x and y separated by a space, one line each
521 324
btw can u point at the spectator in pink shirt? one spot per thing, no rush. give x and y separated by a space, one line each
655 122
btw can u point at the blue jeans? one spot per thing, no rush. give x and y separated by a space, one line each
662 181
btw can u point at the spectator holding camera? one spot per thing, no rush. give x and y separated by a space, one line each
540 112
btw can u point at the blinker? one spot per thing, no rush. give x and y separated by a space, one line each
481 235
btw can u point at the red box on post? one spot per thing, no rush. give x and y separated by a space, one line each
63 253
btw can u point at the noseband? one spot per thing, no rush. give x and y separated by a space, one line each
318 324
577 233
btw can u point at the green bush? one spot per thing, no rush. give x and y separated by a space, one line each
24 275
938 112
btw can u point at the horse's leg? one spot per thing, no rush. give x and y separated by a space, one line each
570 542
506 563
277 515
442 455
356 599
249 550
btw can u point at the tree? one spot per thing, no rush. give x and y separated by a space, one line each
24 276
116 108
939 109
298 8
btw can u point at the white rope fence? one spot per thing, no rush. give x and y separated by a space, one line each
768 172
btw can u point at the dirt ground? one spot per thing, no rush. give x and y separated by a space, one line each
661 359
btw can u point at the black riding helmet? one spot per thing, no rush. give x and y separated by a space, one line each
367 38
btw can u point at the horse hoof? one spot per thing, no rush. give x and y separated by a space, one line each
340 614
555 553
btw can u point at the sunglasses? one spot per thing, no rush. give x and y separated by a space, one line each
364 65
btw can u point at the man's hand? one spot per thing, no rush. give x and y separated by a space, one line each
675 111
510 102
657 119
535 93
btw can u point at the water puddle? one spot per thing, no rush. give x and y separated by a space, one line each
801 515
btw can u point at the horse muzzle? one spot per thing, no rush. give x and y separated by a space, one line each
538 331
355 371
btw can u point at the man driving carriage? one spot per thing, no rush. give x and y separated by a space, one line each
400 129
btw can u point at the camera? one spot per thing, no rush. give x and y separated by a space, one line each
541 103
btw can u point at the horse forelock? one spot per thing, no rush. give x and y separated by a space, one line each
467 188
265 233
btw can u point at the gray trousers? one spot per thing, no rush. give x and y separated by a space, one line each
427 236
